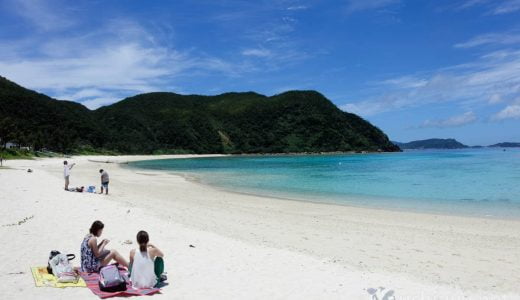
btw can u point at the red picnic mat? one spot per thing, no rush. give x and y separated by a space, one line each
92 280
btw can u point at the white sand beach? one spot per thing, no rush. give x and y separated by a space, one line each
247 247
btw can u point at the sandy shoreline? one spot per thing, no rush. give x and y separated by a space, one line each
248 246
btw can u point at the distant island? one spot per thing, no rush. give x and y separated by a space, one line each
432 144
447 144
506 145
165 123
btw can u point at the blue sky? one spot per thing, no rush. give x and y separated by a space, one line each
416 69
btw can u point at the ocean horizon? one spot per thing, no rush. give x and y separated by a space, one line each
467 182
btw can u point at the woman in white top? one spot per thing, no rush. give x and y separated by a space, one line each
146 264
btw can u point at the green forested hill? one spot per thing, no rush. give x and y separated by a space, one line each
296 121
34 119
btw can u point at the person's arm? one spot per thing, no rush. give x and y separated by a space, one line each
97 249
72 166
101 246
155 251
132 254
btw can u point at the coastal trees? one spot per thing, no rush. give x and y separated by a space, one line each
8 131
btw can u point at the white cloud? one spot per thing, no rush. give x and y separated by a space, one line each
268 42
83 93
493 39
384 103
406 82
455 121
99 101
495 75
274 45
130 66
508 6
509 112
494 7
495 98
256 52
471 3
361 5
297 7
41 14
119 59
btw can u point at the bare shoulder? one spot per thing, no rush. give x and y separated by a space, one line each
156 252
152 252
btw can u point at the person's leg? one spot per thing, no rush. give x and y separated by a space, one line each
106 188
115 256
67 183
101 189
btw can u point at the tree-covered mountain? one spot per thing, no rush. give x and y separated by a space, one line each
432 144
296 121
31 118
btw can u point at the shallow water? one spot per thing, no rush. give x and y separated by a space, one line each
480 182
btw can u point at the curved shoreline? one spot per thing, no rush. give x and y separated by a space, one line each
289 249
437 207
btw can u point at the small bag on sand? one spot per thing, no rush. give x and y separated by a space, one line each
52 255
61 267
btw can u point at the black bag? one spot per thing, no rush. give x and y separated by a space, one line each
51 256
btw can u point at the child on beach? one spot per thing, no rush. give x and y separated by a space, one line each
94 255
146 263
66 173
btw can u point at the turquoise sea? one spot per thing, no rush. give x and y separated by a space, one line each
475 182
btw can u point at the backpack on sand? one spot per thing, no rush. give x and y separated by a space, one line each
110 280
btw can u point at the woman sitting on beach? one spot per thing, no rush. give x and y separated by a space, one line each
146 265
94 255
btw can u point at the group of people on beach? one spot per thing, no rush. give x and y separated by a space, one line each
145 265
66 174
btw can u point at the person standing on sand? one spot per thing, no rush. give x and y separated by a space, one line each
104 181
66 173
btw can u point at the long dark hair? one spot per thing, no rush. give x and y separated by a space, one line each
142 240
96 227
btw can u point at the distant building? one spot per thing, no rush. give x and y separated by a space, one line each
11 145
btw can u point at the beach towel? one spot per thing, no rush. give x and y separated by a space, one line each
42 278
92 280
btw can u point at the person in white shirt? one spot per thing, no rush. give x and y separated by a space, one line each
146 263
66 173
